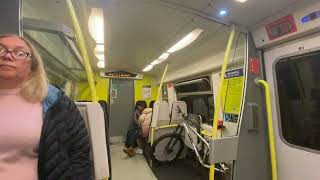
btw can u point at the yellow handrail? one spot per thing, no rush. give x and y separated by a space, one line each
270 129
206 133
161 127
219 94
167 126
152 135
161 82
83 50
158 96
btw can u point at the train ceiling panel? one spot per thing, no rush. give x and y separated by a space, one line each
248 13
139 31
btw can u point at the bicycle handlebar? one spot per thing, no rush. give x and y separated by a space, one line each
186 118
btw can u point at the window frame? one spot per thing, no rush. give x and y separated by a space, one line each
277 101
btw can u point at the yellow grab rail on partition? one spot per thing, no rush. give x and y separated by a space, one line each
83 50
167 126
161 127
152 135
219 94
270 129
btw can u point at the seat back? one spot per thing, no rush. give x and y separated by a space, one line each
94 118
176 116
160 114
105 108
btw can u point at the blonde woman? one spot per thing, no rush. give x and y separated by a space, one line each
42 134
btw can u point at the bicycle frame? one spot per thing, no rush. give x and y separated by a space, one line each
187 127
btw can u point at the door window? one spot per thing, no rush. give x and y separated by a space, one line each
298 80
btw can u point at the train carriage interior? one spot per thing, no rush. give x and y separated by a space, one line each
231 87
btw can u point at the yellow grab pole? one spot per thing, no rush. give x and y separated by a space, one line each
158 96
83 50
161 82
218 95
152 135
270 129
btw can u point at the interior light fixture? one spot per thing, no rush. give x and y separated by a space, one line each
223 12
242 1
185 41
100 57
155 62
96 24
163 56
101 64
99 48
148 68
99 51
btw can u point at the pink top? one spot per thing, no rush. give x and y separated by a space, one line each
20 129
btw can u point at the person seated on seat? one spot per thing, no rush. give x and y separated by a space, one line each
151 104
145 121
134 130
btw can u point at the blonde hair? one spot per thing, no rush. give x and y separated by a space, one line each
35 89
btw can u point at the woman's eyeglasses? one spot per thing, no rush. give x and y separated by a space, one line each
17 54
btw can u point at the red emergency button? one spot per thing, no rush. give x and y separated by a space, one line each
220 124
254 66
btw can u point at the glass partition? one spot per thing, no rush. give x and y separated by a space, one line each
52 36
56 46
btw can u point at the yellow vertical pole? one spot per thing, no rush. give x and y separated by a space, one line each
83 50
218 95
158 96
161 82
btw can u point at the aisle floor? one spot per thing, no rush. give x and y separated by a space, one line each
124 167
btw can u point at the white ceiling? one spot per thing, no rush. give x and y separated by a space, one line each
139 31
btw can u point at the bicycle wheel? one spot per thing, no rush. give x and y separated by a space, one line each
167 148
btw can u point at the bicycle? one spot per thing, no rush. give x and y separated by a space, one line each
168 147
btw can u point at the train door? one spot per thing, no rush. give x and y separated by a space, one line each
292 69
121 94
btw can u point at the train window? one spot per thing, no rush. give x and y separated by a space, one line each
53 37
56 46
196 85
164 93
198 95
298 80
200 105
